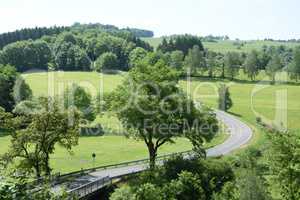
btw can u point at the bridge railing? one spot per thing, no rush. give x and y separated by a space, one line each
113 166
89 188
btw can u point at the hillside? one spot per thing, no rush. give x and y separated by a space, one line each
39 32
231 45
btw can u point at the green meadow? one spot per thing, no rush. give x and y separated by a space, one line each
109 149
54 83
229 45
248 97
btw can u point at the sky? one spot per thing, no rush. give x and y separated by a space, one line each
243 19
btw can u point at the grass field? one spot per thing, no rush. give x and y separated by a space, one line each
54 83
263 100
225 46
109 150
252 99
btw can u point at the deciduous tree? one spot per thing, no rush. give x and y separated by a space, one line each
195 60
273 67
224 100
107 61
285 163
232 64
8 77
155 110
77 96
49 125
251 65
294 67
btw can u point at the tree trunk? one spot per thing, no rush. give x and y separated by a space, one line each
152 155
47 166
210 73
223 71
37 171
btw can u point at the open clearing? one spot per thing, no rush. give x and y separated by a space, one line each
54 83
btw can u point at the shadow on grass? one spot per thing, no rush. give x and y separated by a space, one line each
234 114
4 133
261 82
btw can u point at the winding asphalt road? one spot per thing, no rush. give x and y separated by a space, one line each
240 134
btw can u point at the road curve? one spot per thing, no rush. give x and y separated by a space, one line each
240 134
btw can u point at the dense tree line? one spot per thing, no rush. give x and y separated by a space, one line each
140 32
111 28
26 55
38 32
88 47
29 33
212 38
289 40
72 51
198 61
180 42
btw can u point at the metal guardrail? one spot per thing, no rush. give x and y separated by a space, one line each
90 188
113 166
52 178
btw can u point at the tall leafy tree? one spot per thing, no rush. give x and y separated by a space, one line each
149 101
176 59
211 62
71 57
5 119
232 64
285 163
224 100
107 61
252 187
294 67
77 96
8 77
47 126
195 60
136 56
21 91
251 65
273 67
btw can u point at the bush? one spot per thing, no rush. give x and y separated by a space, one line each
77 96
258 120
107 61
123 193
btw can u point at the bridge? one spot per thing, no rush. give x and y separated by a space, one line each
86 182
